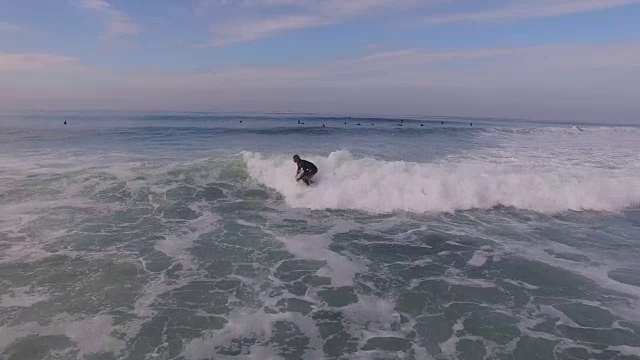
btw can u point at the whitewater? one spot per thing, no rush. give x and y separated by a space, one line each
387 186
185 236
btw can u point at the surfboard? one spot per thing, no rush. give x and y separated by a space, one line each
311 182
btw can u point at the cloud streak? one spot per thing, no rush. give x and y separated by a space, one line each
11 62
383 67
248 30
9 27
243 20
291 15
117 23
531 9
536 68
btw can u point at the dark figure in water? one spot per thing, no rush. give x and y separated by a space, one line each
421 124
322 125
306 170
441 122
470 124
345 123
65 122
298 121
240 121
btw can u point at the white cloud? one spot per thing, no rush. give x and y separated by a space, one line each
10 62
388 67
408 57
117 22
243 20
248 20
247 30
531 9
6 26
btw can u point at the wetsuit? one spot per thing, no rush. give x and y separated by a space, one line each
306 170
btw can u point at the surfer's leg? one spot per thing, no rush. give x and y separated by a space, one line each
309 175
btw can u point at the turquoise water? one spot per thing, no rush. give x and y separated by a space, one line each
185 236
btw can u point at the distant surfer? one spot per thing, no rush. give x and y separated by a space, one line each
306 169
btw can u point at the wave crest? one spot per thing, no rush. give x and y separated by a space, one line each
378 186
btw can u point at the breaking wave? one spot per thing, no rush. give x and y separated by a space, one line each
377 186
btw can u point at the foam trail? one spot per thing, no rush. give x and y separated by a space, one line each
377 186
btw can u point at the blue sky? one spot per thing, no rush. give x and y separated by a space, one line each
544 59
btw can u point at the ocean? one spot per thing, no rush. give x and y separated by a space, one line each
130 235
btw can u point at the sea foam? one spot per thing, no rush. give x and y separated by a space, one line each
378 186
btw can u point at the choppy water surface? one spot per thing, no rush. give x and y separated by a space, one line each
185 237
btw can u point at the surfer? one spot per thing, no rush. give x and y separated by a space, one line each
306 169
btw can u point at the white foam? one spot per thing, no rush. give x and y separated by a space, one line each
253 323
27 207
626 350
478 259
23 297
601 145
449 346
378 186
377 314
521 284
26 252
372 317
462 281
339 269
91 335
599 274
551 312
176 247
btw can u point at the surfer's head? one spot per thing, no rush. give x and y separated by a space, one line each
296 158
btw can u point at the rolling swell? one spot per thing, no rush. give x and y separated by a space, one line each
410 129
159 132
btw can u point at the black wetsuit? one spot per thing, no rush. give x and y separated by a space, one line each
308 169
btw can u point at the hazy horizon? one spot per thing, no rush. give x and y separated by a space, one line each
563 60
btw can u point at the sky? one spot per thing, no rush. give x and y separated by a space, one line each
575 60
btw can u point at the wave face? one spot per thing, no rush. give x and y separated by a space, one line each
377 186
